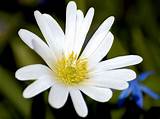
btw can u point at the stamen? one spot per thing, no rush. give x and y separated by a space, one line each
70 70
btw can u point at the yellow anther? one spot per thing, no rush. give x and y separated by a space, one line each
70 70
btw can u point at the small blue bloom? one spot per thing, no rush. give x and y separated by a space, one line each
136 90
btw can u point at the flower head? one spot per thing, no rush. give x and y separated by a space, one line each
136 90
68 71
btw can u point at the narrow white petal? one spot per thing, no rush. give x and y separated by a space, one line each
38 45
118 62
58 96
79 21
57 33
83 30
104 81
118 74
96 93
102 49
79 103
54 26
50 31
28 37
98 37
118 85
45 52
31 72
80 16
42 25
38 86
70 30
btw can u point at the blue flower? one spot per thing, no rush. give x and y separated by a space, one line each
136 90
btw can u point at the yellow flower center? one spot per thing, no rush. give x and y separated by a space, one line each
70 70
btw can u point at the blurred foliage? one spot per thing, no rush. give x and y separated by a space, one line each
136 30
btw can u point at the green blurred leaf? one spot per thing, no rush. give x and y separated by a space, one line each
8 26
12 91
141 49
117 114
4 112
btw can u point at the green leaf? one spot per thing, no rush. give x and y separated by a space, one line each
12 92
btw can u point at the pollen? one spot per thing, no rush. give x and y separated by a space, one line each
70 70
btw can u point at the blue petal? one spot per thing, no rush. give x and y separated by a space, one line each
150 92
138 96
144 75
124 94
121 102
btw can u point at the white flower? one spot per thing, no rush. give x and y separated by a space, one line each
72 72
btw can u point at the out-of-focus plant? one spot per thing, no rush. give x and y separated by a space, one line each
136 89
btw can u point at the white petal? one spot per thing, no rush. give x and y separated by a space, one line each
33 42
118 85
38 86
31 72
50 30
70 29
106 81
118 74
79 103
58 96
57 34
55 28
28 37
79 21
102 49
83 30
96 93
98 37
118 62
45 52
80 17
